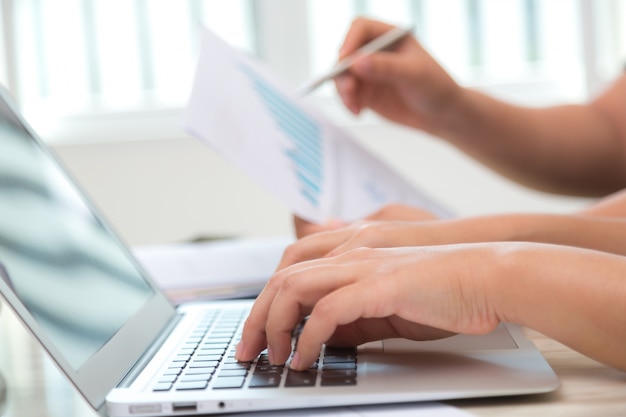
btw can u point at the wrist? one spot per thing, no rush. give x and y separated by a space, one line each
504 282
522 227
458 117
493 228
484 288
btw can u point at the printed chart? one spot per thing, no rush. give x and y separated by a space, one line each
283 144
303 132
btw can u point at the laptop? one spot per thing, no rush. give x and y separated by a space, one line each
130 352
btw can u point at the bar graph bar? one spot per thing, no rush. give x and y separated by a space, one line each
303 133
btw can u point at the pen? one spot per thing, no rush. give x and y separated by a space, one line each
378 44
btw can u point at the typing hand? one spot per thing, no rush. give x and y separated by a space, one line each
370 294
385 228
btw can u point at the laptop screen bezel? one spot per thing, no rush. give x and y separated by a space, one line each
107 367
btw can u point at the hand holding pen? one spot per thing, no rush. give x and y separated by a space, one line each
386 40
402 83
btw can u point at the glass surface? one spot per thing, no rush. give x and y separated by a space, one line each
60 260
3 384
3 395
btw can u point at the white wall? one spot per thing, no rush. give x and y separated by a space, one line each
171 190
178 189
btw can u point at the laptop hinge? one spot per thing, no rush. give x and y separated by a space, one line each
136 369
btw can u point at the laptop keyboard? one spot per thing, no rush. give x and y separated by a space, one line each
206 360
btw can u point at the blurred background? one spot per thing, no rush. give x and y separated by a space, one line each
104 82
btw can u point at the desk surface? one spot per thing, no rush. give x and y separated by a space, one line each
36 388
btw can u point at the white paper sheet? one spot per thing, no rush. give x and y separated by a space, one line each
230 268
309 164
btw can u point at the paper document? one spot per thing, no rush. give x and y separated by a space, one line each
230 268
316 169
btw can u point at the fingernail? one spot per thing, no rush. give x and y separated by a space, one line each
239 350
270 356
341 83
295 361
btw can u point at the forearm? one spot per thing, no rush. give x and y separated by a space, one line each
571 149
586 231
572 295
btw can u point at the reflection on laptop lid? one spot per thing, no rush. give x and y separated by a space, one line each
5 276
130 352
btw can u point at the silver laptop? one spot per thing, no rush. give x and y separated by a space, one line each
129 352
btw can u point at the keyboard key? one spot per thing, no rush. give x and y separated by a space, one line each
339 366
173 371
236 365
231 360
222 335
269 369
339 373
191 385
229 382
197 363
203 357
167 378
192 378
233 372
264 381
301 378
215 345
213 340
182 357
199 371
162 386
339 359
210 351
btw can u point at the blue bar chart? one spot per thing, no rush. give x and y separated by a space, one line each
304 135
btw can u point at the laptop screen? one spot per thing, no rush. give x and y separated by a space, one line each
65 266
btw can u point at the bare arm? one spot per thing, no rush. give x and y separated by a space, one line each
571 149
601 226
573 295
